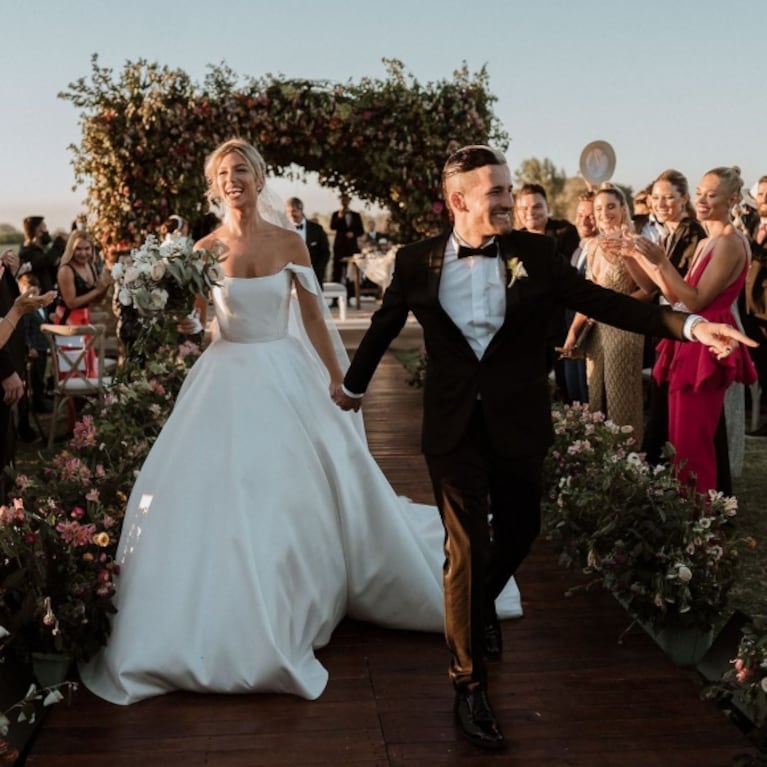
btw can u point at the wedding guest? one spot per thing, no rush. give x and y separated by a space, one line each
645 218
576 387
42 262
484 296
313 236
13 305
670 194
755 294
533 215
37 345
347 224
80 285
697 383
614 358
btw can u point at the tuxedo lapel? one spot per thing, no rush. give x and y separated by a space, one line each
435 259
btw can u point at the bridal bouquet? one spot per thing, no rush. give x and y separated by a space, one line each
166 276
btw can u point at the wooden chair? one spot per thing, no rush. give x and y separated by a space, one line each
71 347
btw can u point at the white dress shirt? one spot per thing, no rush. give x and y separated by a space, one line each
301 229
473 293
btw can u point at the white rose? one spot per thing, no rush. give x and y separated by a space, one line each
158 298
763 684
124 297
684 574
132 273
157 272
117 271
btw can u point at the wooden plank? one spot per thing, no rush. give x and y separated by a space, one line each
567 694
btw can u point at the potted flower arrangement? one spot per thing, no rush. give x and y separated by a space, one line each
666 552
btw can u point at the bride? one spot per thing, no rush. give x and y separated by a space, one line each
260 519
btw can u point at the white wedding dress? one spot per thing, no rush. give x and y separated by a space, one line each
258 521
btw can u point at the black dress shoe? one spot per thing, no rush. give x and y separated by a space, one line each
493 641
476 719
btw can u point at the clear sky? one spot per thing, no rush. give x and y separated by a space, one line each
669 83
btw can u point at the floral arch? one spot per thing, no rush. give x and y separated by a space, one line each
147 130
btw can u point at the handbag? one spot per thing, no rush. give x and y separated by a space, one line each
585 340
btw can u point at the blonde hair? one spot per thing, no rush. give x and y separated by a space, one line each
731 179
248 152
74 238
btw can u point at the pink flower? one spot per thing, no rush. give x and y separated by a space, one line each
76 534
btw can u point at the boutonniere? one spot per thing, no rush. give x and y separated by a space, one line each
516 270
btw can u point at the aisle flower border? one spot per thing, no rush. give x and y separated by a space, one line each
665 551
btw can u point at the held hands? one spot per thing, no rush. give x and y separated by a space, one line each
721 339
343 400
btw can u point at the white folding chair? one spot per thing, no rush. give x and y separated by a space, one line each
71 348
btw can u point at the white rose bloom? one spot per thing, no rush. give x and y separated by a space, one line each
684 574
124 297
132 273
763 684
158 298
157 271
117 271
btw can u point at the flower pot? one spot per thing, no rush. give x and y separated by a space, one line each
685 646
50 669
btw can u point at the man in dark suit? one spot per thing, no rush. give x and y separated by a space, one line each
347 224
314 236
12 366
484 296
533 215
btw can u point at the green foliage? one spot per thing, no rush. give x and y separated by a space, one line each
666 552
147 130
553 180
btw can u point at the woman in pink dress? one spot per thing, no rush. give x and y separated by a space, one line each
697 381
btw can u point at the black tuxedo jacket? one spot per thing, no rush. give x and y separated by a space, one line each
319 248
511 378
344 246
14 353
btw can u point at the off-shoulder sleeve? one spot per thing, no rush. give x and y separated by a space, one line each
306 276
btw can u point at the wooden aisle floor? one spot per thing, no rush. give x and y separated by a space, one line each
567 694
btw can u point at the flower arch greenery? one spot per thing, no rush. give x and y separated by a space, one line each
147 130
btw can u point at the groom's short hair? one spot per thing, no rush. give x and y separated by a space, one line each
468 158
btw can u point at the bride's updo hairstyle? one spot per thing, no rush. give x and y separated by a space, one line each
249 153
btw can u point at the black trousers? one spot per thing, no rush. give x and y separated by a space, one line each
490 507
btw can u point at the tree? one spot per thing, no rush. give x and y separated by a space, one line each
147 130
543 172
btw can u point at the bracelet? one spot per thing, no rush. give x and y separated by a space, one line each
3 319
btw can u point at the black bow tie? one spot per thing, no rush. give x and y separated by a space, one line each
489 251
299 226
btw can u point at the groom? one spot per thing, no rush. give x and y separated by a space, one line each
484 296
